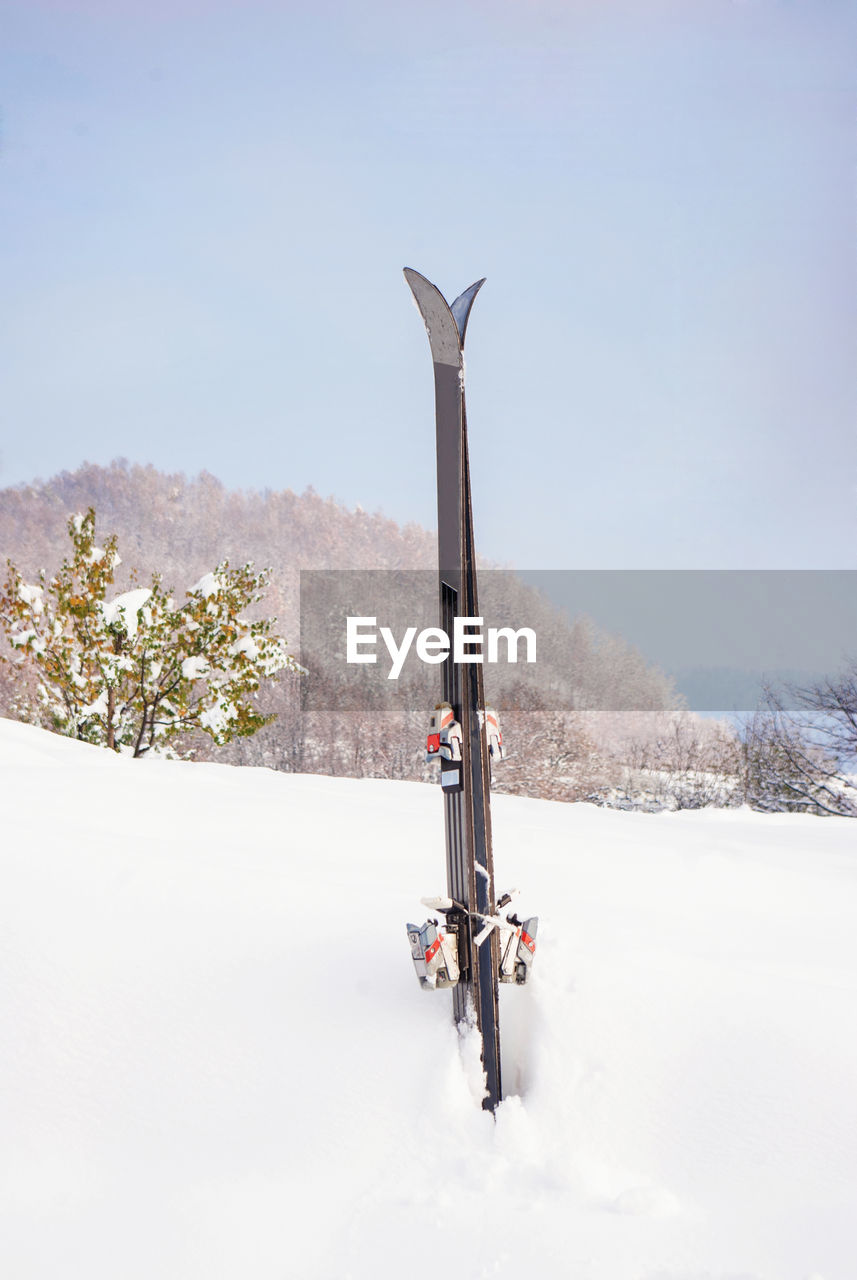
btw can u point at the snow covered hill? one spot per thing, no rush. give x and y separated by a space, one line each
216 1061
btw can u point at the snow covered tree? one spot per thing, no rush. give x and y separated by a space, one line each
135 671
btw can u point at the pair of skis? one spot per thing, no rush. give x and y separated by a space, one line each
475 948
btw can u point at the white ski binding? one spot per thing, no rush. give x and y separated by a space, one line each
444 736
517 949
434 946
517 941
434 950
491 720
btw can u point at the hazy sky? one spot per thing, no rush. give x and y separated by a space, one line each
205 209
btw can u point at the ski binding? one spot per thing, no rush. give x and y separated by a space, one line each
434 950
443 741
491 721
435 947
517 948
444 736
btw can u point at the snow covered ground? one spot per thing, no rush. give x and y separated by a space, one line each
215 1060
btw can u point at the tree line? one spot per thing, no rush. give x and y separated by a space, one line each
103 649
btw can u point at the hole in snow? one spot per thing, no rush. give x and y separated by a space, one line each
517 1039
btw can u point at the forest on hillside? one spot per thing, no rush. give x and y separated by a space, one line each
589 720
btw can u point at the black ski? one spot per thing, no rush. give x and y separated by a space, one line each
469 860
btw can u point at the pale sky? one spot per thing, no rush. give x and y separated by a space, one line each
205 209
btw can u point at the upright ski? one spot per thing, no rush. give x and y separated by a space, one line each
471 939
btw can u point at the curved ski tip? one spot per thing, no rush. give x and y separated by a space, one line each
461 307
421 286
410 275
441 326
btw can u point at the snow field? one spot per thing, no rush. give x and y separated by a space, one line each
215 1060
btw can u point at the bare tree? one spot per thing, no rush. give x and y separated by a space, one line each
832 705
684 762
796 759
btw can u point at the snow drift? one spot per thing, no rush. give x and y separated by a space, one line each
216 1061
